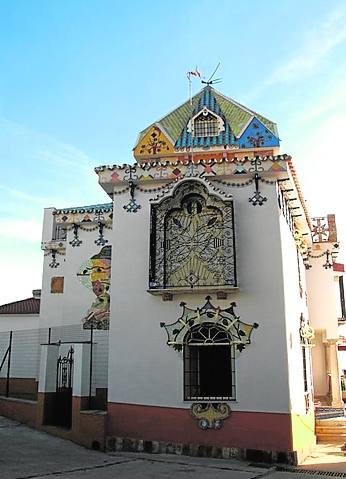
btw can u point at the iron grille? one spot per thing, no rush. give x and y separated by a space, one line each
209 372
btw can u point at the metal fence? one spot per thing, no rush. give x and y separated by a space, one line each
20 353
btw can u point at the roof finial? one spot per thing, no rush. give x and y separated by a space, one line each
211 81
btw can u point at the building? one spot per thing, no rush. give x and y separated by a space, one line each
185 308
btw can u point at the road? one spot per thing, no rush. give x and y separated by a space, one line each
29 454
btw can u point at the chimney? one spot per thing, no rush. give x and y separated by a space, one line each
36 293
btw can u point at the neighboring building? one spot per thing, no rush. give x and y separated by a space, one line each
22 314
184 305
340 271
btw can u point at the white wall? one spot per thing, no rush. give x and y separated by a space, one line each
71 306
322 298
142 368
12 322
295 305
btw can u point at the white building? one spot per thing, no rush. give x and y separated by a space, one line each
186 300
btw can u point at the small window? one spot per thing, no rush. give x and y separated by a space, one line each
209 364
206 125
305 372
342 297
57 284
60 232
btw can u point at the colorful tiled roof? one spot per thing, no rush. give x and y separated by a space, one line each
24 306
236 115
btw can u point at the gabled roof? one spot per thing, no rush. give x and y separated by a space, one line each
236 115
24 306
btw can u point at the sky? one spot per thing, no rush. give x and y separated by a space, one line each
80 78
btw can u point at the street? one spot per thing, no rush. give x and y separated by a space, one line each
30 454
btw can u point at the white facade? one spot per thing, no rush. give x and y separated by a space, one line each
272 407
136 378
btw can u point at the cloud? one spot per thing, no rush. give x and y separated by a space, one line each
330 101
67 155
27 197
315 47
320 161
24 230
42 147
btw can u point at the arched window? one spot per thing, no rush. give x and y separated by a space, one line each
208 364
192 240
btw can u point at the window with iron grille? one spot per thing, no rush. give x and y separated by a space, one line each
192 240
205 126
209 372
305 372
342 297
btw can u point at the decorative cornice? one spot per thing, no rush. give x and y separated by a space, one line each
299 191
106 207
187 161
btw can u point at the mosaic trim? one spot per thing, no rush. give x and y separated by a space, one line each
238 332
210 415
83 218
171 170
202 255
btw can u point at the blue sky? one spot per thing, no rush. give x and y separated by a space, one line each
80 78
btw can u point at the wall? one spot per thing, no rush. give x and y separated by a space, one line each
25 352
71 306
295 306
319 363
11 322
322 287
142 368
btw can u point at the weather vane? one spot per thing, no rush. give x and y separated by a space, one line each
198 74
211 81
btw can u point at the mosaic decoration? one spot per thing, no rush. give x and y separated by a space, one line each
192 240
132 206
101 241
324 229
205 164
76 240
256 135
153 143
53 249
257 198
206 109
223 320
306 333
308 402
54 263
210 415
84 214
95 274
330 257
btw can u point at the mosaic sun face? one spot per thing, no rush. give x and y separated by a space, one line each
95 274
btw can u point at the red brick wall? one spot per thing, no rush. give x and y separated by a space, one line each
21 410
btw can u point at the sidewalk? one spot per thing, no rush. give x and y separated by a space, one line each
29 454
327 457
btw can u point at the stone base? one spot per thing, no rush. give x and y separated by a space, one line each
117 444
